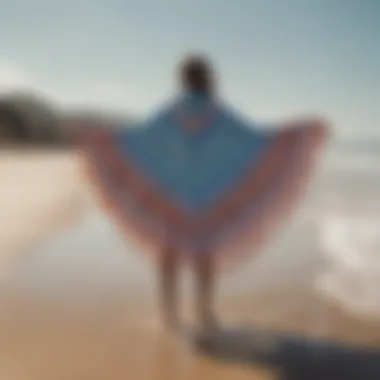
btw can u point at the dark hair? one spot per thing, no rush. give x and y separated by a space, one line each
196 74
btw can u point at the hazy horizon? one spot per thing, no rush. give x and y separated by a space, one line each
274 60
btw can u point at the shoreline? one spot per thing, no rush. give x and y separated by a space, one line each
86 303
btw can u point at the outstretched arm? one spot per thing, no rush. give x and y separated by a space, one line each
236 118
314 122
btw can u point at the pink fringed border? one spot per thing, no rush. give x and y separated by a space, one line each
236 248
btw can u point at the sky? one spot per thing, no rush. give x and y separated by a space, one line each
275 58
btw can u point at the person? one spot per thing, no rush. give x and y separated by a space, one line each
197 82
197 182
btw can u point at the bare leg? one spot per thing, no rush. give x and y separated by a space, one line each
169 269
205 289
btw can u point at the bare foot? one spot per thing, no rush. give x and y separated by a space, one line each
207 331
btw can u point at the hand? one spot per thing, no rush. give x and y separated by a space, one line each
320 125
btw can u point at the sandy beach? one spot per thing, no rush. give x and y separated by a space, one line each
76 303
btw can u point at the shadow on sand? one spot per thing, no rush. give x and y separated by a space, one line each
294 357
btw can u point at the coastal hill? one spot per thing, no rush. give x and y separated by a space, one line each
28 119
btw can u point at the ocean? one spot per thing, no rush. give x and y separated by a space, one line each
346 205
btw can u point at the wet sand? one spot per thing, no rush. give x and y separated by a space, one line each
77 304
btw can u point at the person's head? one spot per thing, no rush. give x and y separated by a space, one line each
197 75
